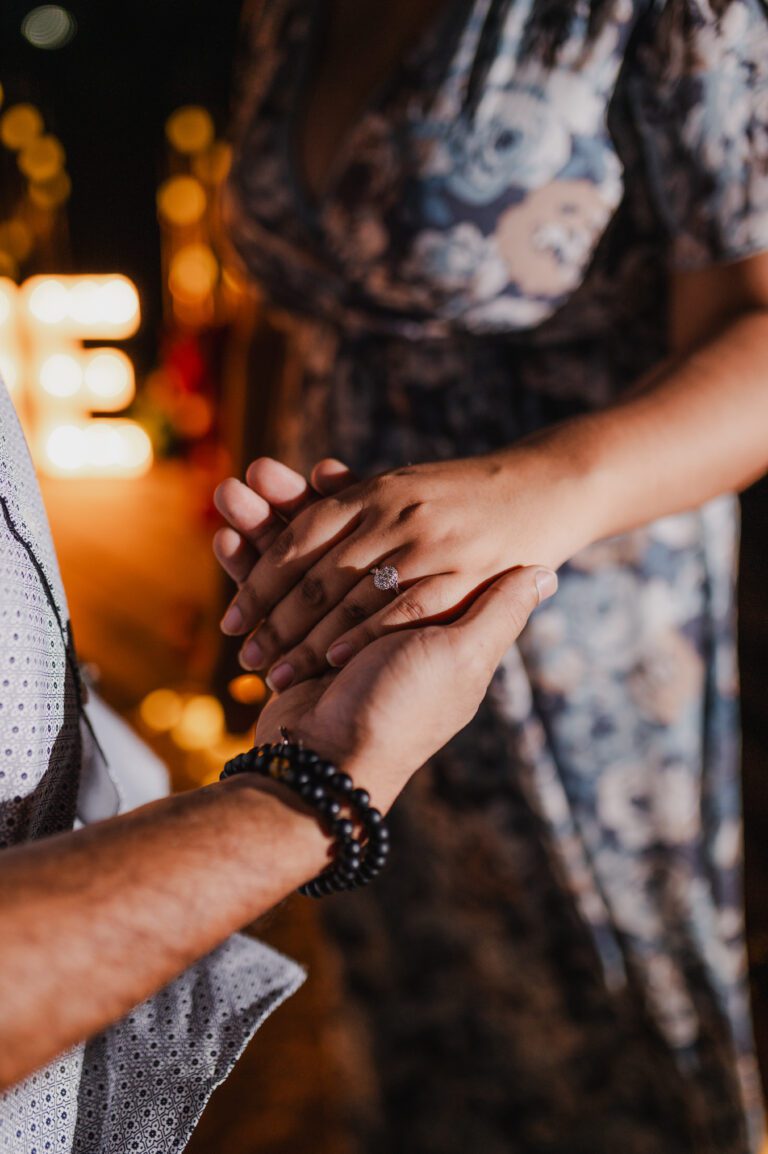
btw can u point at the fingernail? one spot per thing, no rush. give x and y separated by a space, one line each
339 655
251 655
546 583
232 621
281 677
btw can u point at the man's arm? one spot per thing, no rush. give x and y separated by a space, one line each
93 922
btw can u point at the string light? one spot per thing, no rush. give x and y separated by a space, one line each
161 710
201 723
109 377
19 126
42 158
248 689
48 26
193 273
51 193
181 200
190 129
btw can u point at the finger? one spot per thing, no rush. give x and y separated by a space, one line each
285 490
235 555
330 476
314 532
496 619
333 595
361 618
430 600
319 594
247 512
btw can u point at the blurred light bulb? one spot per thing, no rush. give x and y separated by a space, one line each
49 302
248 689
19 125
120 301
51 193
109 377
190 129
61 375
9 372
193 273
7 300
161 709
42 158
66 448
201 723
16 238
181 200
48 26
213 165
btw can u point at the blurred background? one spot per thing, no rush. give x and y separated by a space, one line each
145 368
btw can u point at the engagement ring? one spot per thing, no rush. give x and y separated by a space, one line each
386 577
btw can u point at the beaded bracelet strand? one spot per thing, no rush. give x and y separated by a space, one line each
340 808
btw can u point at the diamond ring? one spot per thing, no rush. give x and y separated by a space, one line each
386 577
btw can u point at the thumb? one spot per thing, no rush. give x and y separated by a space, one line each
498 616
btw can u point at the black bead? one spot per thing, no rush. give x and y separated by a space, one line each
343 828
360 797
328 807
342 782
373 817
378 861
325 771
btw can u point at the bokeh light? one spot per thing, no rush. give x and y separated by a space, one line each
108 447
51 193
248 689
193 273
109 378
201 723
49 26
161 709
16 238
213 165
190 129
61 375
181 200
43 158
19 125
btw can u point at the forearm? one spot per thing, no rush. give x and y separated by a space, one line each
95 921
697 428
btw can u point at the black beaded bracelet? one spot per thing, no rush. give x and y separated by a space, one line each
339 807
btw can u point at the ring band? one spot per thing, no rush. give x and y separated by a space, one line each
386 577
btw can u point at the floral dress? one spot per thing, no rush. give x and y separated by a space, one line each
555 961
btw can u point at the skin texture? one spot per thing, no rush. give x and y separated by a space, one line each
131 902
693 430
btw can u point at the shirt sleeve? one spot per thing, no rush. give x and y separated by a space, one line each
700 101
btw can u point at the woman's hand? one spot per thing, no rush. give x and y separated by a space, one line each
404 696
448 527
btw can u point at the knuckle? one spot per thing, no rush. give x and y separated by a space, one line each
408 512
283 548
269 639
312 591
408 609
305 659
353 612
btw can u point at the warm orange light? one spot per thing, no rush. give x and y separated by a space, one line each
213 165
201 723
51 193
161 709
190 129
89 306
42 158
181 200
193 273
20 125
248 689
8 292
109 378
94 448
16 239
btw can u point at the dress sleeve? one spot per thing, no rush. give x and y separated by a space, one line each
699 92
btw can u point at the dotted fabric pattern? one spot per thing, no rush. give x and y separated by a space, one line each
142 1084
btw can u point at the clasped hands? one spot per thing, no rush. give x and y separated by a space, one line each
302 554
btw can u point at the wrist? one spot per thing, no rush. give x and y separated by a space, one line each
564 462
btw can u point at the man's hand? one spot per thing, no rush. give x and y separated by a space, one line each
404 696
